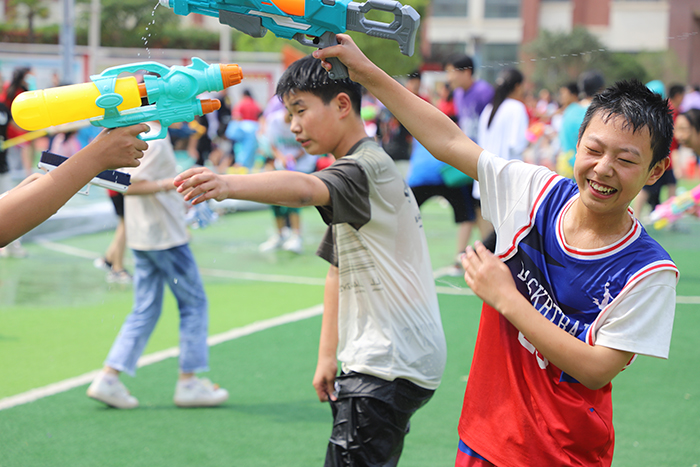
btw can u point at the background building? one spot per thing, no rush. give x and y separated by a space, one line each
495 31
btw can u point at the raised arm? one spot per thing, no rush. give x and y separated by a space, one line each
440 135
282 188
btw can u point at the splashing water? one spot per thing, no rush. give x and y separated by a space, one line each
148 26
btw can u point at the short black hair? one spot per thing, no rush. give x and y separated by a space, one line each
675 89
307 75
590 82
415 74
461 62
640 108
572 86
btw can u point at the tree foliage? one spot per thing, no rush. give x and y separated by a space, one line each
32 9
130 23
561 57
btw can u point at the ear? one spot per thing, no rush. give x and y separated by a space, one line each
658 170
343 104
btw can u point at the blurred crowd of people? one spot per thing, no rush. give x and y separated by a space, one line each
514 120
510 118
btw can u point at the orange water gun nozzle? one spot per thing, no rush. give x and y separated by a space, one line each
230 74
210 105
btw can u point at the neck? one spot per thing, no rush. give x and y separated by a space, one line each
589 230
349 139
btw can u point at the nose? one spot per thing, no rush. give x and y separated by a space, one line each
604 166
294 125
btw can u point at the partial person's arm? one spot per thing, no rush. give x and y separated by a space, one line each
440 135
594 366
27 206
327 366
150 187
281 187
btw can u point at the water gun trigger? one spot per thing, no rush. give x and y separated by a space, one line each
149 136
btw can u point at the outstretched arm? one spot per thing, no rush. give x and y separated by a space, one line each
282 188
28 205
327 366
594 366
440 135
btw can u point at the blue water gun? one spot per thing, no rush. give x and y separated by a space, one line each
109 101
311 22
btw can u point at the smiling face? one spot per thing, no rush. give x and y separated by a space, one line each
684 132
312 121
612 166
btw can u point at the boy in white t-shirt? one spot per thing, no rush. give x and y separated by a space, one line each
381 318
576 288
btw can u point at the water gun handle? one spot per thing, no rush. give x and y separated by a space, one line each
338 70
403 29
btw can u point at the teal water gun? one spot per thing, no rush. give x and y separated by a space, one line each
311 22
109 101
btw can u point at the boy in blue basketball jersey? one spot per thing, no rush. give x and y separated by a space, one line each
576 287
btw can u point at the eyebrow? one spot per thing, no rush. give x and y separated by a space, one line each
630 149
296 103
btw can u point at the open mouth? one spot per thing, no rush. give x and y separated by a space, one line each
603 190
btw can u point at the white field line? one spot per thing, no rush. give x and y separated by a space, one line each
65 385
86 378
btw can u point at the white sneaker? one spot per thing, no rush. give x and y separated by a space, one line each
119 277
102 263
273 243
293 244
199 392
108 389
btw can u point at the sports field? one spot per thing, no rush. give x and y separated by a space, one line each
58 319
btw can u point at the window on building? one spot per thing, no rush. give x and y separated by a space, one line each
449 8
502 8
496 57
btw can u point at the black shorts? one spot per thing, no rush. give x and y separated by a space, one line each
118 202
371 419
459 198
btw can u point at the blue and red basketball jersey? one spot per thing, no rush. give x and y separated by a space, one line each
520 409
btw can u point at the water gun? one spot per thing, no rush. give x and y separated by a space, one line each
676 207
109 101
311 22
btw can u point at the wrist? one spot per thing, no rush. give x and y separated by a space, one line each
162 185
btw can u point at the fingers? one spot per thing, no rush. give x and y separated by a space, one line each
197 185
184 176
321 393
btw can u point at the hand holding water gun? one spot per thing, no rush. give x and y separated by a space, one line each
311 22
676 207
109 101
